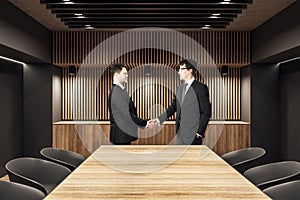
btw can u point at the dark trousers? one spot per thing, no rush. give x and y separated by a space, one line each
197 141
126 143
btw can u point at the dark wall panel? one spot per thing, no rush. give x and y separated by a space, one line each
290 110
275 90
265 128
10 112
246 94
37 108
21 33
272 40
56 93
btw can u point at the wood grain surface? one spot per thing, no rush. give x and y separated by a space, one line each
86 137
155 172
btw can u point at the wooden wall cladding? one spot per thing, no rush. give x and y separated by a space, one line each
86 138
96 48
85 96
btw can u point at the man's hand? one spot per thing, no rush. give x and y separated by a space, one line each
152 124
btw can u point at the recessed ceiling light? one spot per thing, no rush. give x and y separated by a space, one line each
215 15
67 2
88 26
207 25
79 15
225 2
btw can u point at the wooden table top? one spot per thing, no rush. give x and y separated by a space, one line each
155 172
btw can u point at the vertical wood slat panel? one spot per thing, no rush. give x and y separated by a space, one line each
85 138
78 105
96 99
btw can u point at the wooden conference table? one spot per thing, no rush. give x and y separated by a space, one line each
155 172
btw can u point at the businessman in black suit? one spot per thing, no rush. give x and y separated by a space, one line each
124 122
191 104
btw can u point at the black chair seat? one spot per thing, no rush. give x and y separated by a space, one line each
284 191
244 159
16 191
68 159
268 175
37 173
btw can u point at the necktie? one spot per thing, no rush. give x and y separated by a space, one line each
183 93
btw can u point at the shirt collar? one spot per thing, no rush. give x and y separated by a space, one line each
120 85
189 82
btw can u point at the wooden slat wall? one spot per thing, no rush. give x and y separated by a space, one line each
86 138
85 96
223 47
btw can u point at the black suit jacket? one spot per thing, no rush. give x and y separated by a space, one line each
124 122
193 113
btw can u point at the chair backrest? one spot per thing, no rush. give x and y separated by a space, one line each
244 159
289 190
268 175
37 173
16 191
68 159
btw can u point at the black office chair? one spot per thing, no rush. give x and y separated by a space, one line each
16 191
37 173
268 175
244 159
68 159
284 191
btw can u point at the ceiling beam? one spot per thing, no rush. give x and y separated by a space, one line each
144 2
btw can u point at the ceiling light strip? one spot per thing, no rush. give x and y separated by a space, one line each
12 60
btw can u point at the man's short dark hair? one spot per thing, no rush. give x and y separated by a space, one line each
189 64
116 68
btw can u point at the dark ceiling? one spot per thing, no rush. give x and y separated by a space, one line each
89 14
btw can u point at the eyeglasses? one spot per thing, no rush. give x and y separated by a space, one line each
180 69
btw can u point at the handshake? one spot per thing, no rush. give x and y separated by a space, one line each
152 124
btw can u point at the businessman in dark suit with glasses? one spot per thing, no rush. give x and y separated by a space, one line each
191 104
